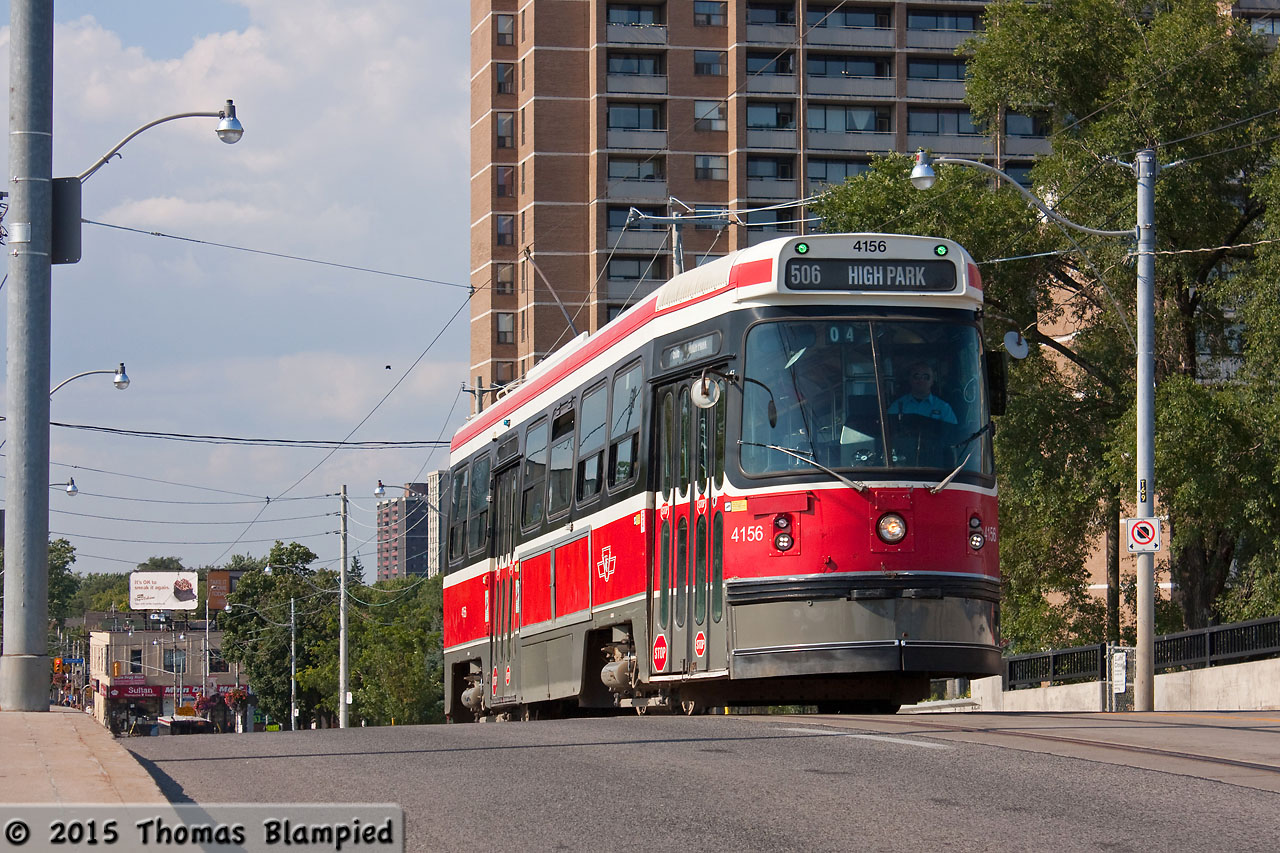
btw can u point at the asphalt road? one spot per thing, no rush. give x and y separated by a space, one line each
757 783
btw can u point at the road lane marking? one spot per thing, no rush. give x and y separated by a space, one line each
897 740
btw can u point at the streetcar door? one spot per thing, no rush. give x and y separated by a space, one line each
505 638
686 585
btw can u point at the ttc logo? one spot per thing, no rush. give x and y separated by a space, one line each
604 568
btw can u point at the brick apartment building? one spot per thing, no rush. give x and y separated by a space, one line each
585 109
410 531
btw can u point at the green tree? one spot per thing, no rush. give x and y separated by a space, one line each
1116 77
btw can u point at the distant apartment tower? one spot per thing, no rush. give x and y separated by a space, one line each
410 531
582 110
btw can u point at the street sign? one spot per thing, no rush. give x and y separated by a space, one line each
1143 535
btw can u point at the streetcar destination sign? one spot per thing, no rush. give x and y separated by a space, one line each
914 275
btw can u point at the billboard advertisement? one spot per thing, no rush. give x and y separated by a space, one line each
219 588
163 590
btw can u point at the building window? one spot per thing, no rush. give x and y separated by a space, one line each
636 169
505 30
1267 26
781 221
833 171
505 129
175 660
504 75
827 118
506 325
770 116
504 178
1018 124
504 279
710 115
770 169
711 167
849 19
710 14
505 224
636 269
835 65
961 21
135 660
504 372
711 63
949 122
636 64
772 14
634 15
618 216
771 63
636 117
936 69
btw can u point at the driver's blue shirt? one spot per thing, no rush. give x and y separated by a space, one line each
930 407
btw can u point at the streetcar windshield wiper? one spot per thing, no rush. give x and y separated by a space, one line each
946 481
989 426
853 484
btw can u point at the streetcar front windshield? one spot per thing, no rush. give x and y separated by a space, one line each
864 394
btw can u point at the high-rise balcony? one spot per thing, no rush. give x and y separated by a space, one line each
936 90
1026 146
637 239
770 138
771 84
771 34
644 140
631 289
947 40
950 143
851 87
850 37
636 34
771 188
636 84
851 142
639 190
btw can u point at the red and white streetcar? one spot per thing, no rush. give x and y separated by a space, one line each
769 482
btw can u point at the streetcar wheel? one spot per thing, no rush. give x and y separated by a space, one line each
641 710
690 707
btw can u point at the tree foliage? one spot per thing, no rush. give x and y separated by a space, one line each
1115 78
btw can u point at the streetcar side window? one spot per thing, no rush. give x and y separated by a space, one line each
535 472
478 524
624 429
560 480
458 514
591 441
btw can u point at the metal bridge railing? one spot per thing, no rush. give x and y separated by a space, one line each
1204 647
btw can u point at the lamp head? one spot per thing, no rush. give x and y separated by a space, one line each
229 128
380 491
121 379
71 487
922 176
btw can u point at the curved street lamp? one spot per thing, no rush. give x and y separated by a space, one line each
119 378
24 665
1145 168
70 486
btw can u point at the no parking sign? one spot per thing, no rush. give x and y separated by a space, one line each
1144 535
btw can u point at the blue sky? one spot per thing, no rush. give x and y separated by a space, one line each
355 153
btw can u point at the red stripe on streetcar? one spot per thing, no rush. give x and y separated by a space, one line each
752 272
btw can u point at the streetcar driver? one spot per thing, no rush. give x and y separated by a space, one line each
921 400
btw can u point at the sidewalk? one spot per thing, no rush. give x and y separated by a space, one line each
65 756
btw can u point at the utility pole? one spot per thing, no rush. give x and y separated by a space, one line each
24 667
293 669
342 616
1146 167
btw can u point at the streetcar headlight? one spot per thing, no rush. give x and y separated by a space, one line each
782 522
975 523
783 541
977 540
891 528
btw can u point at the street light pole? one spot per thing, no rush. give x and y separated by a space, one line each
293 669
1145 168
24 666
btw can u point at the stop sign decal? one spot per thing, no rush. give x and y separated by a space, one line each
660 653
495 681
700 644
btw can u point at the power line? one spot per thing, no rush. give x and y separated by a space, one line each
278 255
310 444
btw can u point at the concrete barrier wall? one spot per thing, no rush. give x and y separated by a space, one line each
1238 687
